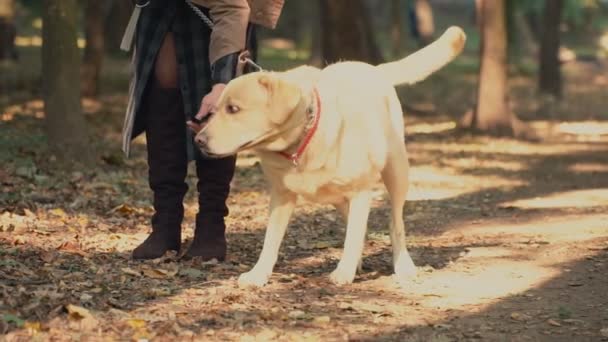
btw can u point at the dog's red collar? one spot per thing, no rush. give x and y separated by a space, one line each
316 115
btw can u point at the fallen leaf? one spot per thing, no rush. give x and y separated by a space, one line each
323 245
296 314
554 323
82 316
442 326
516 316
48 256
29 213
124 209
371 307
136 323
130 271
72 248
191 273
85 297
58 212
159 273
322 319
157 292
97 290
344 306
35 326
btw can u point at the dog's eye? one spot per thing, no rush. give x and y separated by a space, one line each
232 109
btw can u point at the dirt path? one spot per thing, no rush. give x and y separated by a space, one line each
511 240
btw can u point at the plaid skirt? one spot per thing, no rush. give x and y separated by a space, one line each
192 38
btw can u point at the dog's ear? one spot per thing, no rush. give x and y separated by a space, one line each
283 97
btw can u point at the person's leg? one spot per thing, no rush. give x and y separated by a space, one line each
167 156
214 177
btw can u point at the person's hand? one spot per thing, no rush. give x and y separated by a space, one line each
207 106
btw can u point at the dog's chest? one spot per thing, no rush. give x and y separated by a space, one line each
325 187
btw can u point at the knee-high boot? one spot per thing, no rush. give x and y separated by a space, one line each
214 177
168 163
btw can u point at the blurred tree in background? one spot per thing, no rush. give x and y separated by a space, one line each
65 125
347 32
8 30
492 114
538 39
95 16
550 80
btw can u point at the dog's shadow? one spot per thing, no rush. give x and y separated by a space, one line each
314 243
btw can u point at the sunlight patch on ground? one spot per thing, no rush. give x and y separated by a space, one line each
588 167
590 130
426 128
485 163
568 228
515 148
565 199
474 283
486 274
434 183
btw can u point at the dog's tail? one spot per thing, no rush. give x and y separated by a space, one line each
422 63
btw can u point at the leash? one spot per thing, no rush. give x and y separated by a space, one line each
127 38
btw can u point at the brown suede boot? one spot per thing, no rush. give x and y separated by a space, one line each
168 165
209 239
214 177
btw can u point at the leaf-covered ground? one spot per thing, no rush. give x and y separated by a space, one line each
511 240
510 237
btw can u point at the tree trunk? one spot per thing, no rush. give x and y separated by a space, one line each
7 30
425 24
65 124
396 28
346 32
316 48
492 114
94 50
550 81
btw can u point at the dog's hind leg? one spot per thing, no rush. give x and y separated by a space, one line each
395 177
358 213
282 205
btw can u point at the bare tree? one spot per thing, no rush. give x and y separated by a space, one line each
346 32
7 30
65 124
492 114
550 80
95 14
396 29
425 23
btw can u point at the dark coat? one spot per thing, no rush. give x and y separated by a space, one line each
192 47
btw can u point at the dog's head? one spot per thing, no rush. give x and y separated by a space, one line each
250 112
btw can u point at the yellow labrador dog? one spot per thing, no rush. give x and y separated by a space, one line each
328 136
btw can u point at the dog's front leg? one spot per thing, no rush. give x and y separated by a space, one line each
281 207
358 213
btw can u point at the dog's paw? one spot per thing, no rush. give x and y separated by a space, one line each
405 269
340 277
252 279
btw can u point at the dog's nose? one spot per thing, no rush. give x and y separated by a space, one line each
201 140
